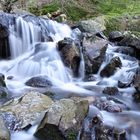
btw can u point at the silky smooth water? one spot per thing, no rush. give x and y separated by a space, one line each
30 56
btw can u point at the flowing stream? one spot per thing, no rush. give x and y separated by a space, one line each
30 56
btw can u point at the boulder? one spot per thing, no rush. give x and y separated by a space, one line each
70 54
111 67
63 120
132 41
27 108
94 53
4 132
93 26
115 36
39 81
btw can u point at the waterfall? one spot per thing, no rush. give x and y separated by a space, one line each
32 52
33 48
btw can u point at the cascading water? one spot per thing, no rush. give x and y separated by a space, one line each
35 53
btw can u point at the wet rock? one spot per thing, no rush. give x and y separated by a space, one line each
93 26
136 97
70 53
90 77
119 134
4 45
103 132
4 132
126 50
4 32
110 68
132 41
111 90
27 108
3 92
11 121
115 36
136 82
63 120
2 82
94 53
109 105
124 85
39 81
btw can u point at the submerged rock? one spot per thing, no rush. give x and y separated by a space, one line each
63 120
70 53
110 68
27 108
94 53
4 132
39 81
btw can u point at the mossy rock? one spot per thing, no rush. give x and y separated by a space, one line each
123 23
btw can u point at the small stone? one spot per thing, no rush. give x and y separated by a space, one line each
111 90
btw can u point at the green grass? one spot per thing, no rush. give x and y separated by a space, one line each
77 9
75 13
50 8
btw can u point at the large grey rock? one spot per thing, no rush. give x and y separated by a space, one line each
93 25
94 53
4 132
70 53
63 120
27 108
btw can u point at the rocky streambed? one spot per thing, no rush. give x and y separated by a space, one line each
58 83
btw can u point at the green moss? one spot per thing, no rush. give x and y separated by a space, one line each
49 8
71 134
44 9
75 13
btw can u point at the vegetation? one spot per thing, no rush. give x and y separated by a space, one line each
78 9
